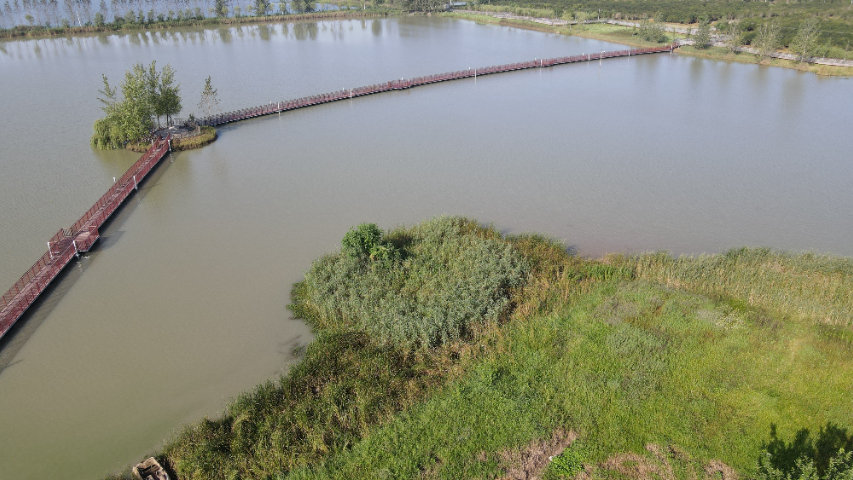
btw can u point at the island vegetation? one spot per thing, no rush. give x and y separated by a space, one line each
146 95
450 350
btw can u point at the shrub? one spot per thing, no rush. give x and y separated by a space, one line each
431 284
360 241
567 464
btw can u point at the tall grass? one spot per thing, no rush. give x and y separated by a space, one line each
452 277
807 286
626 364
500 341
448 274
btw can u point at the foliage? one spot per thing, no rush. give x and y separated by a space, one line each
423 5
146 93
360 242
767 38
836 16
220 8
733 35
808 286
652 32
206 137
805 42
209 99
828 457
567 464
626 363
346 384
328 401
703 35
444 279
262 7
167 98
631 352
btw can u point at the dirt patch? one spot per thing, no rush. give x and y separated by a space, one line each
661 464
716 469
530 463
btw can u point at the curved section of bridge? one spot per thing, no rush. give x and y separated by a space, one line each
69 243
287 105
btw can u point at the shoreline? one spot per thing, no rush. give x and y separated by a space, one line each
37 33
598 30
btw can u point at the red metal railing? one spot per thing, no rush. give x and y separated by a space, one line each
63 246
302 102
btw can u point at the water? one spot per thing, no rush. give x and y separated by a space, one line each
182 305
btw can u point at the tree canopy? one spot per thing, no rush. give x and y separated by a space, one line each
146 94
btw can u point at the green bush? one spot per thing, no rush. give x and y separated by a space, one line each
360 241
431 284
829 456
567 464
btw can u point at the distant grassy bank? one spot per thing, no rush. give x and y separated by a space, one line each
628 36
448 350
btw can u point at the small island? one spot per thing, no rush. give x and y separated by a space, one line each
133 120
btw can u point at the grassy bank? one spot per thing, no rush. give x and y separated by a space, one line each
206 137
655 382
721 53
448 350
628 36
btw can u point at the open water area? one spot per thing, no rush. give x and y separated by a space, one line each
182 304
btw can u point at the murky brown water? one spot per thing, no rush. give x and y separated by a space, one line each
182 305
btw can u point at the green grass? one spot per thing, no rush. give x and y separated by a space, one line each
807 286
452 279
206 137
629 364
657 364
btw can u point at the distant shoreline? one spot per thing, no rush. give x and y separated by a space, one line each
31 32
622 34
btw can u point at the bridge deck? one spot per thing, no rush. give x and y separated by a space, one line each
67 244
287 105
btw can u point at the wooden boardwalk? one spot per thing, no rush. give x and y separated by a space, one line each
287 105
67 244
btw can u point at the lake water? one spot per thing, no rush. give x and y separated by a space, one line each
182 305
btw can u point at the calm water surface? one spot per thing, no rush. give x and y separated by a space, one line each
182 305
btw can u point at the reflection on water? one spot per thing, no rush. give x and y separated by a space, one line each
651 152
301 30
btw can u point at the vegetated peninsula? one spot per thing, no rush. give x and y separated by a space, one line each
450 350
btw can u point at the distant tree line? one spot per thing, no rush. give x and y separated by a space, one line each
834 18
84 13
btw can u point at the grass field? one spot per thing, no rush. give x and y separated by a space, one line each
628 367
630 364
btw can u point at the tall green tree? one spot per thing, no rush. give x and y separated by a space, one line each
145 94
767 38
220 8
262 7
805 42
703 35
168 100
733 35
